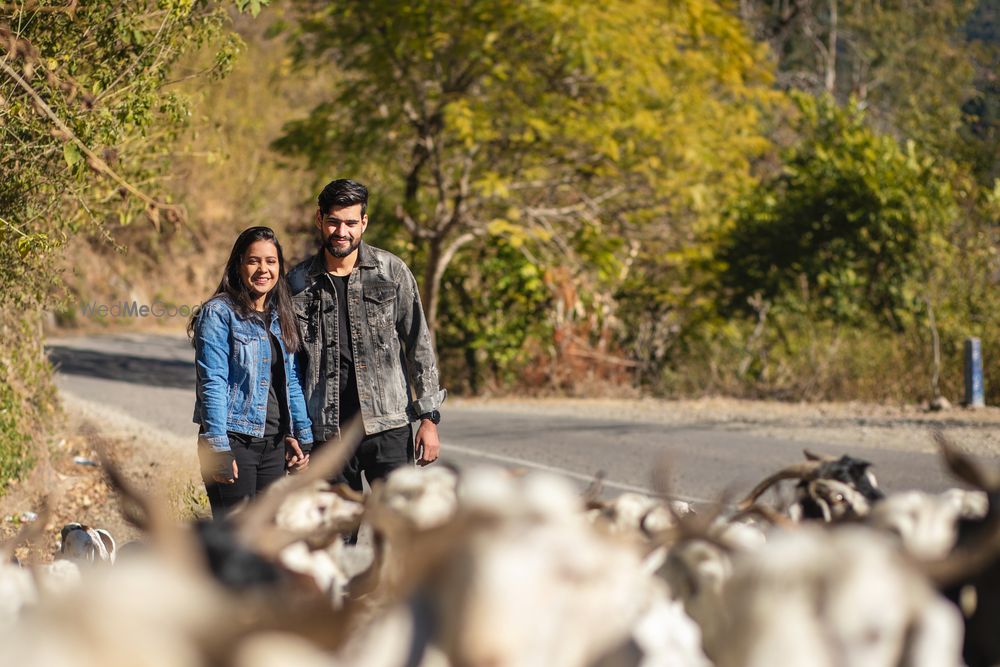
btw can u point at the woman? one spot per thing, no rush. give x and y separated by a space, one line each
248 400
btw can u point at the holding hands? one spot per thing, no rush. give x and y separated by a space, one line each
295 460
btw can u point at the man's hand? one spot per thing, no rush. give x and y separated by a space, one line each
295 460
426 443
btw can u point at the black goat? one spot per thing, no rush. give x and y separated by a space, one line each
828 488
974 564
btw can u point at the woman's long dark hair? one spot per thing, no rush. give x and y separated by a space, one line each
239 295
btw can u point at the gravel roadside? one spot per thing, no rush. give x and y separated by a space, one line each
68 479
904 428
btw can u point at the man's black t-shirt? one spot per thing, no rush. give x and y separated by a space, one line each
350 405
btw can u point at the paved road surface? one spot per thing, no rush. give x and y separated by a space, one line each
151 378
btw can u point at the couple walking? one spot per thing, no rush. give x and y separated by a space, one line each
283 364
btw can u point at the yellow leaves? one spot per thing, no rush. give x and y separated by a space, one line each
440 40
515 233
460 118
609 146
542 127
492 184
181 8
695 12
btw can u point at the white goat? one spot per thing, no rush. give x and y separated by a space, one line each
529 582
824 598
84 544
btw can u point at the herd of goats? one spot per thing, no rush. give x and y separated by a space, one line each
486 567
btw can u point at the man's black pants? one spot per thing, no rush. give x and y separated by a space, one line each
376 456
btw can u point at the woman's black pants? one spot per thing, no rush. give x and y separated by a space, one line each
260 462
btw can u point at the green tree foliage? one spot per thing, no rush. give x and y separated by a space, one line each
497 312
834 278
550 124
87 117
854 224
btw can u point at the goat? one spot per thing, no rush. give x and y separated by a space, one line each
634 513
426 497
829 489
519 577
926 524
818 597
84 544
970 574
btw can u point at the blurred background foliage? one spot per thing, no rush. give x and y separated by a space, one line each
763 198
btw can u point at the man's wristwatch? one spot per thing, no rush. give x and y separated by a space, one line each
434 416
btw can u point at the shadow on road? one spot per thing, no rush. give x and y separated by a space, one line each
123 367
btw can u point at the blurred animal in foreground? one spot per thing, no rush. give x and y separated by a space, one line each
485 568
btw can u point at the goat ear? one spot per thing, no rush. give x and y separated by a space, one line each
68 528
108 542
811 455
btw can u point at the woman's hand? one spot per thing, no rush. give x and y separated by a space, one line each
225 475
295 460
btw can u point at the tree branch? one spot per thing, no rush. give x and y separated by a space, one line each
449 253
152 206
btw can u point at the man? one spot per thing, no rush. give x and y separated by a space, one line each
366 348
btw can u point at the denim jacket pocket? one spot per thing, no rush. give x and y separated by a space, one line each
246 356
245 346
380 304
306 318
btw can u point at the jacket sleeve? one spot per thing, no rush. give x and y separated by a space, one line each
421 362
212 349
301 424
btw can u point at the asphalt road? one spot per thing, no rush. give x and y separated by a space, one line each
151 378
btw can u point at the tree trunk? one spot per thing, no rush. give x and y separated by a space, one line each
439 256
831 50
431 287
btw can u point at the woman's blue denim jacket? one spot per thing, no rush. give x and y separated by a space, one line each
233 365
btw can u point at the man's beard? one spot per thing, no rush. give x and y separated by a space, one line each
340 251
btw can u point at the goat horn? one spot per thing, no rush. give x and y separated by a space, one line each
767 514
347 493
593 492
152 515
797 471
964 466
328 461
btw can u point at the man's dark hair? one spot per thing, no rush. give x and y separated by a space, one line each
343 192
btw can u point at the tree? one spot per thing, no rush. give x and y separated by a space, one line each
87 115
852 227
534 121
908 63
